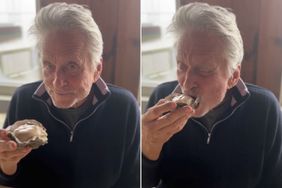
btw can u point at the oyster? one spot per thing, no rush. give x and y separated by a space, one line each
28 133
183 100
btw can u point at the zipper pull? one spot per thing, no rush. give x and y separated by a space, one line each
209 138
71 136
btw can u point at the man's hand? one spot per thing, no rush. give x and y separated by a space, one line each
159 124
9 154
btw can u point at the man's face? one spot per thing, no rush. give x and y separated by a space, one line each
68 73
202 71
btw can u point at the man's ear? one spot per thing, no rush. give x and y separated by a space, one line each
234 77
98 70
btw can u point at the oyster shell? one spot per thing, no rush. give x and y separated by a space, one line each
28 133
183 100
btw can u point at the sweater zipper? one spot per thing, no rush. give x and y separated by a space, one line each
210 131
209 138
71 129
206 129
74 127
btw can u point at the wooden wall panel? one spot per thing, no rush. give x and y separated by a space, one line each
247 14
128 49
108 24
119 23
269 65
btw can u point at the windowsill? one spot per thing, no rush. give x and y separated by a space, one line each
2 119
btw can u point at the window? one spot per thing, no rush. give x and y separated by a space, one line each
158 54
18 58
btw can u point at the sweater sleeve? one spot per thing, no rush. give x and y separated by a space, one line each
8 180
11 113
150 169
150 173
130 175
272 172
19 107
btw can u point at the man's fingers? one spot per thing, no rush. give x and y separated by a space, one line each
12 145
164 134
3 132
24 152
158 126
4 135
7 146
161 101
15 154
170 118
158 110
175 127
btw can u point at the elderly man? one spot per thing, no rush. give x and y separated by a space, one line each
234 137
93 127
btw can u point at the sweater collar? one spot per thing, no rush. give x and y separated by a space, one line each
239 93
99 91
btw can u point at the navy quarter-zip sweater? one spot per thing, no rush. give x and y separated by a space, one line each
243 149
100 151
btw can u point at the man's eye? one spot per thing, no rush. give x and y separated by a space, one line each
181 67
206 72
48 66
73 67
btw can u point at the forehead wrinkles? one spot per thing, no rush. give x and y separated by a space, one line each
59 43
201 44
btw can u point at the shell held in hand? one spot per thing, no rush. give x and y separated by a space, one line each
183 100
28 133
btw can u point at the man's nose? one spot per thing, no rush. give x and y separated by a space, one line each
190 80
60 78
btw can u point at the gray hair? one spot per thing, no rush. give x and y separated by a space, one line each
69 16
216 19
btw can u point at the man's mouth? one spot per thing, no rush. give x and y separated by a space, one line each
62 93
196 102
